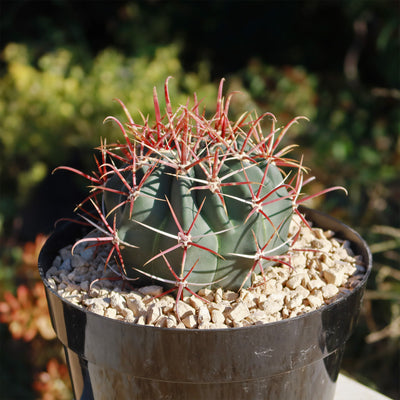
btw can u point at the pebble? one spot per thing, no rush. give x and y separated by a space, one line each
203 314
190 321
78 262
195 302
329 291
271 306
66 265
96 308
230 296
239 311
206 293
295 281
184 310
153 290
153 314
97 301
315 283
248 299
315 301
110 313
117 301
335 277
217 317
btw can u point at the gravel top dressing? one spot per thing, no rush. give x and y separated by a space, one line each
322 267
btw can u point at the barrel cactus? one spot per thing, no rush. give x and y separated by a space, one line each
192 201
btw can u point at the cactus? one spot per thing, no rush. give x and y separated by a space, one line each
195 201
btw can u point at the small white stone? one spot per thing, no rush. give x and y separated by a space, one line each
248 299
77 261
298 260
153 314
87 253
152 290
66 265
326 261
100 292
195 302
335 243
208 294
272 307
110 313
348 268
329 234
270 284
203 315
204 325
230 296
218 295
136 306
161 322
285 312
51 272
334 277
73 277
277 296
294 281
315 301
239 312
302 291
117 301
259 299
217 317
141 320
258 316
65 252
134 295
219 325
315 283
295 302
166 303
184 309
190 321
128 315
96 308
98 301
57 262
223 307
329 291
171 321
52 283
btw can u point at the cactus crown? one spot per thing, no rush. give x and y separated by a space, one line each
193 201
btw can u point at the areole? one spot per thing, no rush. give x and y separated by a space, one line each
296 358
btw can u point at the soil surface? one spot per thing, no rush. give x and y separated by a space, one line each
321 269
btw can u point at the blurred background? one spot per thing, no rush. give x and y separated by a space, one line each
61 64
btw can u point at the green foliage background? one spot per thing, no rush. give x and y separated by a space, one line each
62 63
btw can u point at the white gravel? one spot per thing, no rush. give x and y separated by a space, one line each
316 279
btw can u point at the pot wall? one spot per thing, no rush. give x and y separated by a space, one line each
297 358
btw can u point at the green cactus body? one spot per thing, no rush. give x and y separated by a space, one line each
223 229
193 202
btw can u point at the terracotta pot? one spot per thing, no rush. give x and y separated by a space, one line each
297 358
